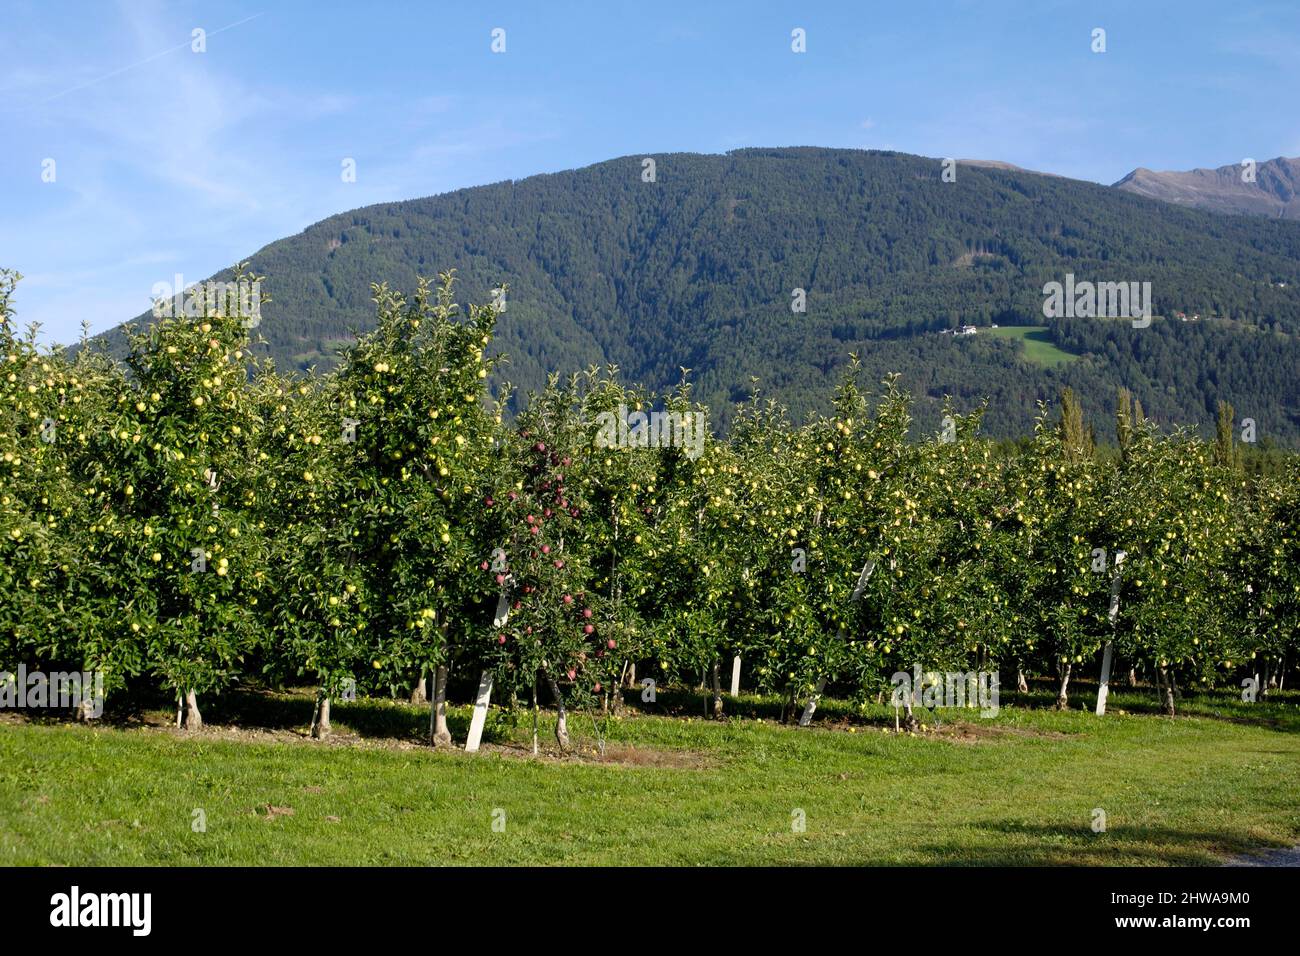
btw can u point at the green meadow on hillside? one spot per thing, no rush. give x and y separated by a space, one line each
1039 347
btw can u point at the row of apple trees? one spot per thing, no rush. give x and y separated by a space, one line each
194 517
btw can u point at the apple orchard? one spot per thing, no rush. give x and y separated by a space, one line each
193 518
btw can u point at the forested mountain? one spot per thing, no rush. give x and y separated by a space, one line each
1270 188
698 269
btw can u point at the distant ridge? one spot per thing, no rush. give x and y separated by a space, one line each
1275 191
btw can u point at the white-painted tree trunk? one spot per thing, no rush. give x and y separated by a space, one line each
479 718
716 679
811 707
735 676
535 715
1103 686
1063 691
911 723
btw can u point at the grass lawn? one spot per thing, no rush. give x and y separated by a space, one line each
1039 347
672 788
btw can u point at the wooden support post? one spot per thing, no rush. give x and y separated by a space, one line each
735 676
1103 689
480 712
485 683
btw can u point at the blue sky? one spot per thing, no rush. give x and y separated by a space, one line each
171 161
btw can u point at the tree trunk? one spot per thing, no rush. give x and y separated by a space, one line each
631 675
320 721
1167 679
716 673
1062 695
811 708
193 719
910 723
1132 677
562 718
420 693
1022 684
439 735
535 715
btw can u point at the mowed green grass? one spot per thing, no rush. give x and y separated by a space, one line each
1018 789
1038 345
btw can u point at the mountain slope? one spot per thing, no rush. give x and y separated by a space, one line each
698 270
1275 191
